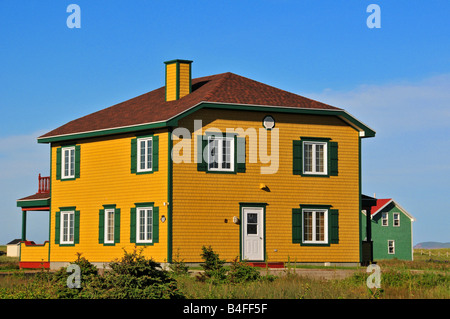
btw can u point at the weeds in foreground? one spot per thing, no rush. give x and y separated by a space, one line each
134 276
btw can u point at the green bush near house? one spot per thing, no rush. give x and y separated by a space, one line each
213 267
131 277
242 272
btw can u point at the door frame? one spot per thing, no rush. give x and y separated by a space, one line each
243 205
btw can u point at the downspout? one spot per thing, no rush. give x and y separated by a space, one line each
360 200
169 195
50 209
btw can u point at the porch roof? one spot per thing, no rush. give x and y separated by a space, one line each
38 201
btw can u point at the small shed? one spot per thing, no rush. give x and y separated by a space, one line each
13 248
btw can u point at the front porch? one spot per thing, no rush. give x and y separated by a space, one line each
34 255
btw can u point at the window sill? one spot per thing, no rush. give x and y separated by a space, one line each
315 244
144 172
220 172
145 244
314 175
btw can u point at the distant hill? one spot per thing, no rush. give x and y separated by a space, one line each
432 245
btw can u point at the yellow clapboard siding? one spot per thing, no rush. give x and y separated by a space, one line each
105 179
171 82
38 253
202 201
184 79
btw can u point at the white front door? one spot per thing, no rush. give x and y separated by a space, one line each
252 233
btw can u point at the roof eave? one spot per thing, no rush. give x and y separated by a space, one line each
364 130
101 132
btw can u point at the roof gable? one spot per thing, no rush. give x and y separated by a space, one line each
384 202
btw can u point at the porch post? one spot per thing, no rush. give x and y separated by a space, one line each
24 225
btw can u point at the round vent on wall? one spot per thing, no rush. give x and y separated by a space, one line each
269 122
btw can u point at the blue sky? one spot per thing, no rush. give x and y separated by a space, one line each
396 79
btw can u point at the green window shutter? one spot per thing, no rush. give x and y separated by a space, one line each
57 227
77 161
240 154
333 158
76 231
201 163
155 219
333 228
133 225
117 225
58 163
296 226
297 157
133 155
155 153
101 226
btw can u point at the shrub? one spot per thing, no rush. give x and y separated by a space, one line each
242 272
88 273
214 270
135 277
131 277
178 267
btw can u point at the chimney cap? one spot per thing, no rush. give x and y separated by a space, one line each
178 60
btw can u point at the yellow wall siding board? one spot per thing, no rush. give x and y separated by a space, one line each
184 79
202 201
106 179
171 82
36 253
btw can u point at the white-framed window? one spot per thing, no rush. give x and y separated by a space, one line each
67 226
221 154
68 162
109 226
144 224
315 226
144 154
396 219
315 158
391 247
384 219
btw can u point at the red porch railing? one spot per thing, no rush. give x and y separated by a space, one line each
44 184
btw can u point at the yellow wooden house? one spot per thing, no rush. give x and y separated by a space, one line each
253 171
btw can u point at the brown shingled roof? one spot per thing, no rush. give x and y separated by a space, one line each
151 107
36 196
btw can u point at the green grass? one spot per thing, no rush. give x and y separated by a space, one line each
8 263
423 278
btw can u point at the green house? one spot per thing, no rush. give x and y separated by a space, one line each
390 230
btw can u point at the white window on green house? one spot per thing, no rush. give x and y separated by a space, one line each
396 219
144 156
220 153
315 158
315 226
67 227
391 247
384 219
68 162
144 224
109 226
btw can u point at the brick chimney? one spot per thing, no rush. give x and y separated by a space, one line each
178 79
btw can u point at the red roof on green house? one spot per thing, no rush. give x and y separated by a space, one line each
381 203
